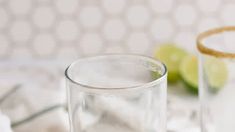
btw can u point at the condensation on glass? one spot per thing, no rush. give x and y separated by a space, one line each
117 93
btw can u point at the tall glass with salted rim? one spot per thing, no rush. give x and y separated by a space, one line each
217 79
117 93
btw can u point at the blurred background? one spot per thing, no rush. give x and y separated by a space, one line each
68 29
39 38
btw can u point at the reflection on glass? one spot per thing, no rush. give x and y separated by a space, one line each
217 79
117 93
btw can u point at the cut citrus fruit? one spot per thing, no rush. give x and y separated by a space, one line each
171 55
155 74
216 73
189 72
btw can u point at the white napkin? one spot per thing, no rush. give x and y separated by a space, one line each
54 121
4 123
30 99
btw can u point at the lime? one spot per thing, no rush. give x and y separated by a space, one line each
215 72
155 74
171 55
189 72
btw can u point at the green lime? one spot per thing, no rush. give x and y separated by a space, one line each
215 72
171 55
155 75
189 72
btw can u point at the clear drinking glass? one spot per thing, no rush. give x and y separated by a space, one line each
217 79
117 93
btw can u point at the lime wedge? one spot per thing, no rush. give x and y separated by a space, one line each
216 73
155 75
171 55
189 72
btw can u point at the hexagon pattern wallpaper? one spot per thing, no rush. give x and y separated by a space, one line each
60 31
42 29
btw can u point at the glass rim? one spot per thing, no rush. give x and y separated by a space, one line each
146 58
209 51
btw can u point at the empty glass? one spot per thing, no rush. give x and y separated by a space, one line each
217 79
117 93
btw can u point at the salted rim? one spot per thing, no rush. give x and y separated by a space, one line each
148 84
205 50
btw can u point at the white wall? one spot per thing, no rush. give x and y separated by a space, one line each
74 28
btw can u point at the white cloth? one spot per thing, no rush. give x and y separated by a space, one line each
4 123
54 121
40 89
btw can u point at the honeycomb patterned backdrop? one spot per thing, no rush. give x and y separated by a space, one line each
65 29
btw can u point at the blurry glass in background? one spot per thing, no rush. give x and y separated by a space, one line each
104 99
217 79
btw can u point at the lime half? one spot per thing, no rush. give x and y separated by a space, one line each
171 55
216 73
189 72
